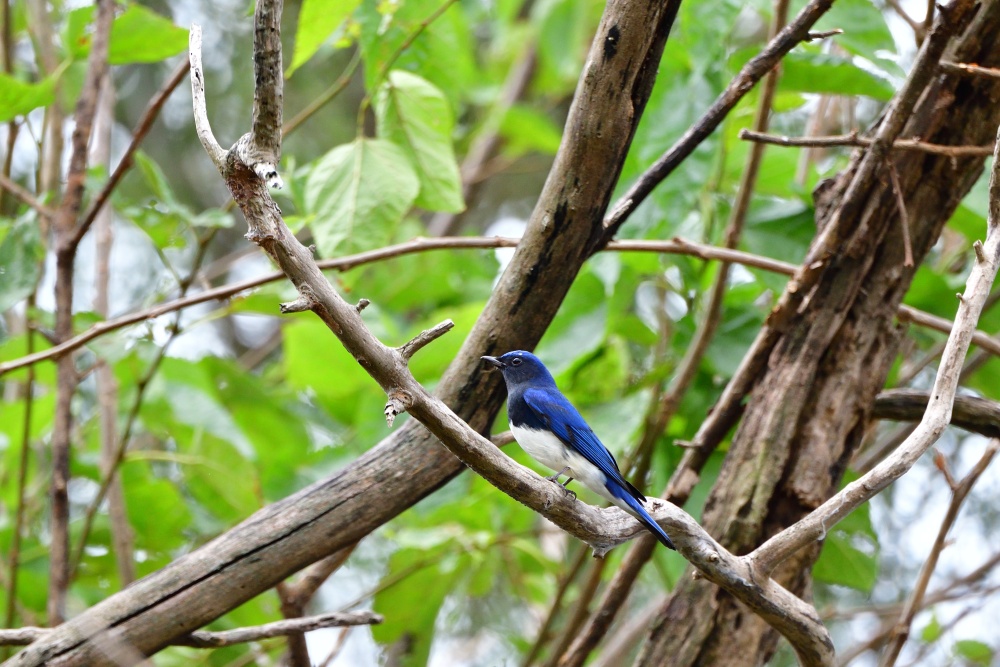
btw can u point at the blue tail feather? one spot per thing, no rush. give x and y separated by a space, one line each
646 520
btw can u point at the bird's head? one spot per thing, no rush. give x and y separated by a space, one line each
519 366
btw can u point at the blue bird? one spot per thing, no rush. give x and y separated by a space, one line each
552 432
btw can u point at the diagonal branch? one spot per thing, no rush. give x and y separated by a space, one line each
959 492
141 130
791 36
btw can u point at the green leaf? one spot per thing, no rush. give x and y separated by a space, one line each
21 254
820 73
140 35
864 26
840 563
415 115
932 631
317 21
156 509
526 129
974 651
18 98
359 192
411 606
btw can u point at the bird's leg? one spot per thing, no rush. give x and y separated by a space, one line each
555 478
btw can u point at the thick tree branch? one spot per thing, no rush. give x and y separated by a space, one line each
974 414
840 222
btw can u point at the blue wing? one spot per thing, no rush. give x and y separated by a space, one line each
560 417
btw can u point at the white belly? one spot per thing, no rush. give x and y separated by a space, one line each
550 451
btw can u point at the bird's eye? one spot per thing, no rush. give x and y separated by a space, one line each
516 361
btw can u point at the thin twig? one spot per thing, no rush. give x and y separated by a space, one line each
854 139
138 135
325 97
206 639
675 246
26 197
965 68
959 493
904 219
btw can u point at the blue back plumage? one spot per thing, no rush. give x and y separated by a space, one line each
534 402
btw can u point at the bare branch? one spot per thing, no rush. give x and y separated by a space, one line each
974 414
206 639
26 197
939 409
965 68
904 219
853 139
426 336
796 32
202 126
141 130
915 602
676 246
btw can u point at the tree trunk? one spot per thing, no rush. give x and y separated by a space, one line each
811 406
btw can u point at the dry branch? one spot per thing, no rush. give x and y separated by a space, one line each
856 140
207 639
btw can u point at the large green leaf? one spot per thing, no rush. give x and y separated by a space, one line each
865 30
821 73
359 192
21 254
317 21
416 116
138 35
398 35
840 563
18 97
411 606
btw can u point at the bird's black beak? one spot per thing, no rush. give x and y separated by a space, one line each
493 361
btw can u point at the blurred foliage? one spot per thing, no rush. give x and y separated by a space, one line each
230 407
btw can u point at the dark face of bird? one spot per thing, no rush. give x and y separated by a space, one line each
519 367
